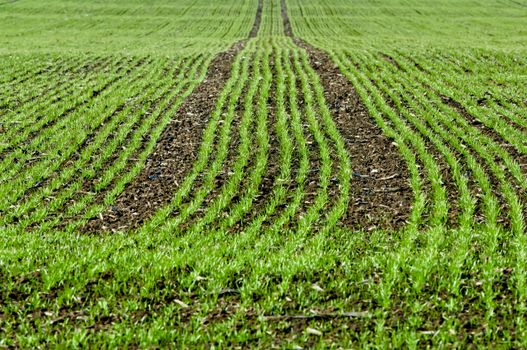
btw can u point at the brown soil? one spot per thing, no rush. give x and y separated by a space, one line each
257 20
88 184
173 156
380 191
176 150
288 31
381 196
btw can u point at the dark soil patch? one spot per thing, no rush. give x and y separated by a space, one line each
381 195
174 154
380 191
176 150
288 31
88 185
257 20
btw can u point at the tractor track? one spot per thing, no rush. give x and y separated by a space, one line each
176 150
380 194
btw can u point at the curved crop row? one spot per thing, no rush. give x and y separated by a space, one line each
41 139
46 84
97 163
231 204
71 132
42 112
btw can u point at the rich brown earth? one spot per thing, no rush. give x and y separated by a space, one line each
288 31
381 196
257 20
174 154
380 193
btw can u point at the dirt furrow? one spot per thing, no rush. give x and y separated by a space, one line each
177 148
174 153
380 192
257 20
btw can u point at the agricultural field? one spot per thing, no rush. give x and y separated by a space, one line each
263 174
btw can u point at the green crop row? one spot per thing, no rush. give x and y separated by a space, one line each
414 24
252 249
162 28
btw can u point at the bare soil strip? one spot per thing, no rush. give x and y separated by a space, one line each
257 20
88 185
381 196
176 150
288 31
174 154
380 192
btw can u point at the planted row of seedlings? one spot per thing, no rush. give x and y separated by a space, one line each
48 84
47 149
52 128
102 161
20 70
493 142
252 239
42 113
290 215
211 207
403 97
134 28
